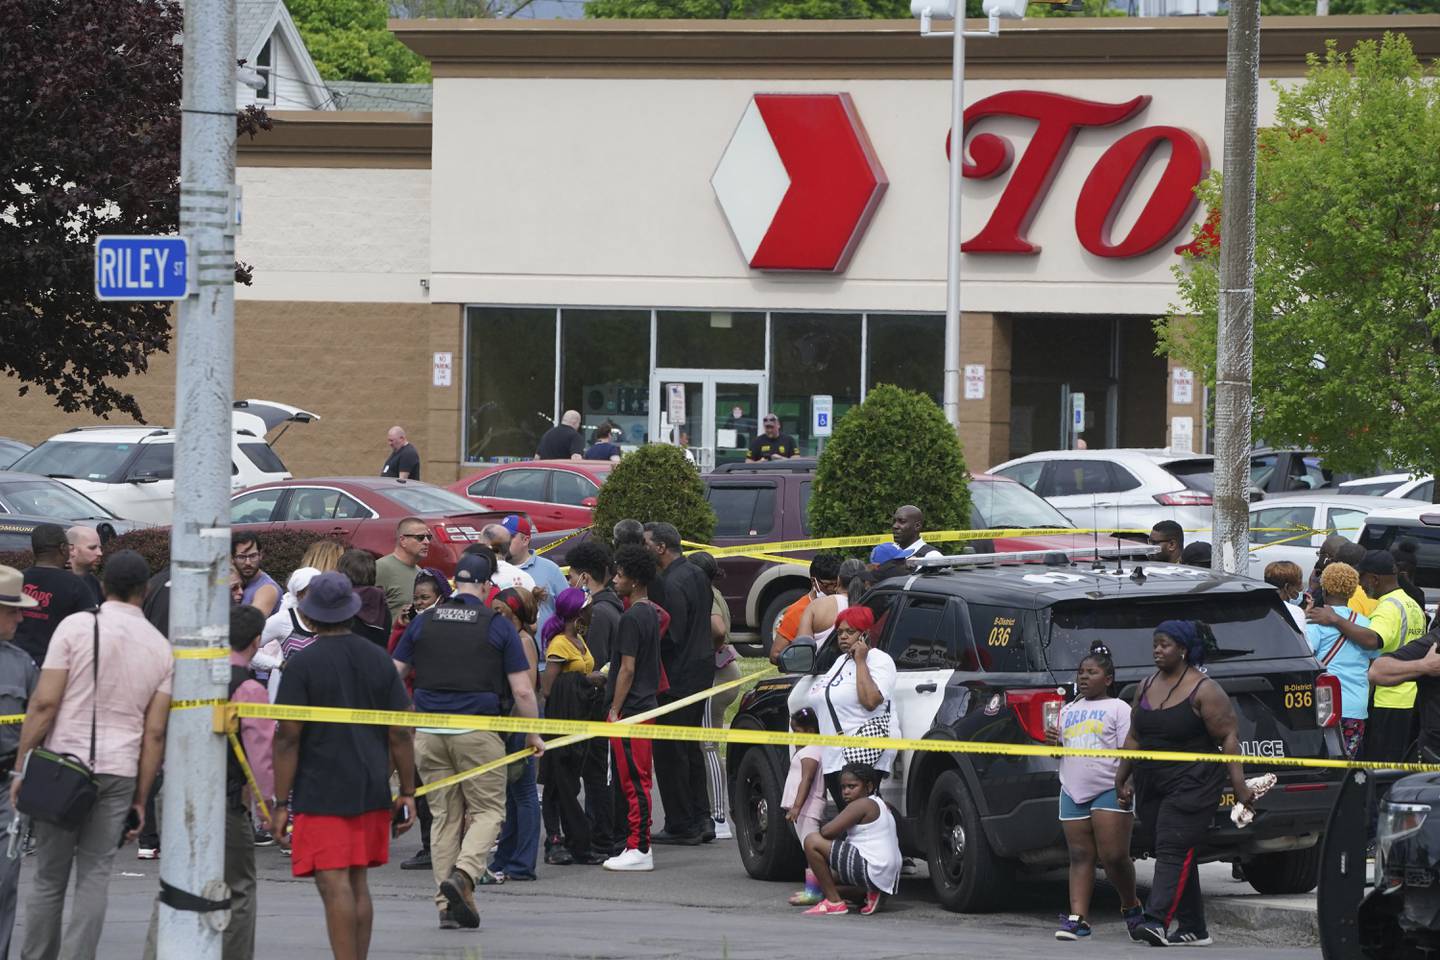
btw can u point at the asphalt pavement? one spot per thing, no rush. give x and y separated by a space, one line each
698 902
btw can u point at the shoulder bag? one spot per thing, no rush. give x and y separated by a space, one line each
876 726
57 788
1325 663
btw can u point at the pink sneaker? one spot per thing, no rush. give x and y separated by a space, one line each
872 903
826 908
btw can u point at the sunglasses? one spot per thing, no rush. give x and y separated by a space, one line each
419 536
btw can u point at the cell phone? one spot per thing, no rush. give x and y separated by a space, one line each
410 612
399 818
132 823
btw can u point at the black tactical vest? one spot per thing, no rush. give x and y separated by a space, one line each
454 654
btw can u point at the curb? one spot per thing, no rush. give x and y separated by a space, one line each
1294 925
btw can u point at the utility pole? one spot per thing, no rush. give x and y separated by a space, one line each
193 822
1236 334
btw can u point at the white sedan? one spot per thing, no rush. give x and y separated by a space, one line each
1397 486
1278 526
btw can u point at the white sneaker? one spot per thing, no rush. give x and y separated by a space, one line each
632 860
148 853
722 830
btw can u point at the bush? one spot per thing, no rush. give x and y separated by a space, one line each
283 549
893 449
655 483
19 559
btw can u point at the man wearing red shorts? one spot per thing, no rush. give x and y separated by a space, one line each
336 776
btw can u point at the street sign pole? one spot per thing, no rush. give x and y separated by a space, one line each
193 822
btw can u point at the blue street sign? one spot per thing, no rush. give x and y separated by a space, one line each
142 268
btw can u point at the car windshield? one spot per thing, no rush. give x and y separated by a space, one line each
77 460
1252 626
997 504
422 498
50 498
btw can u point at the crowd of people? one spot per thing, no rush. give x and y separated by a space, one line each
622 633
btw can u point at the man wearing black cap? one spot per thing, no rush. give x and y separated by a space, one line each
336 776
465 660
56 591
1397 620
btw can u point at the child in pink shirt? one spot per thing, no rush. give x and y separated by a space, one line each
803 798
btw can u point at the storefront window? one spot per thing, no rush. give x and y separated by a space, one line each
710 340
810 354
605 370
907 350
510 381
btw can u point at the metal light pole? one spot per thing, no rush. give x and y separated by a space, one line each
926 10
193 822
1236 333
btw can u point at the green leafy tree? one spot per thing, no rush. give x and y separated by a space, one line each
655 483
893 449
349 40
1347 278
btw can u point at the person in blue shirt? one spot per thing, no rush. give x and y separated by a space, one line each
454 673
545 573
1343 659
604 448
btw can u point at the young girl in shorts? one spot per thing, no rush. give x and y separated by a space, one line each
804 797
856 855
1095 822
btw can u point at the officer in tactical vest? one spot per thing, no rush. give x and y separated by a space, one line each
465 660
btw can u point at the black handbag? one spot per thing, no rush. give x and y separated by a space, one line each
57 788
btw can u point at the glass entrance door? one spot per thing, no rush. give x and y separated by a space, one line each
720 417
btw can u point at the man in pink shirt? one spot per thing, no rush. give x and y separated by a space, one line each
127 693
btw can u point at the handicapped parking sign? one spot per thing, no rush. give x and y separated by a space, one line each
822 409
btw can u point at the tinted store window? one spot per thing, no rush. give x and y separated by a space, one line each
907 350
710 339
605 369
509 381
810 354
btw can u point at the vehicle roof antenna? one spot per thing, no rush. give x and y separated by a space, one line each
1119 567
1097 563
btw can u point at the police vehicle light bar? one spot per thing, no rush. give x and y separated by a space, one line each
960 561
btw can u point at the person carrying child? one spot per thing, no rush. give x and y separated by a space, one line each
858 853
803 798
1096 824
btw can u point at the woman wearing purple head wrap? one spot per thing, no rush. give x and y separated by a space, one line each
568 692
1178 708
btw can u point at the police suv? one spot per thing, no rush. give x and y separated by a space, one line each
986 648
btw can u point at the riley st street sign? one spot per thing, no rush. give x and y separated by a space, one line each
799 180
142 268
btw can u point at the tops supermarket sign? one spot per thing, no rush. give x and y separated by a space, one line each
799 179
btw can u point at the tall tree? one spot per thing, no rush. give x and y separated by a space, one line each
349 40
89 97
1347 279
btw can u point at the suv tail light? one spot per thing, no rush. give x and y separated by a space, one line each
447 532
1036 710
1327 701
1185 498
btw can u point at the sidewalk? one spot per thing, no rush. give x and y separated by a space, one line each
1234 903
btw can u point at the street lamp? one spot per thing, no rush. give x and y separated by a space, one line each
946 9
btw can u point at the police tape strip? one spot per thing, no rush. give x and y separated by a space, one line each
555 543
255 793
200 653
776 738
578 737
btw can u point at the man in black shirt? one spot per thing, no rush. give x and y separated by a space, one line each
562 441
1418 660
630 689
688 652
404 459
772 444
340 772
86 554
591 570
56 591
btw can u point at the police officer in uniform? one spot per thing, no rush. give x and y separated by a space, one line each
465 660
18 676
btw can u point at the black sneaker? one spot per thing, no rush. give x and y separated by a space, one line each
421 860
263 838
1150 932
665 838
559 856
1190 938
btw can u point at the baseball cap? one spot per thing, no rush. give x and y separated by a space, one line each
475 567
516 524
300 579
885 552
1377 561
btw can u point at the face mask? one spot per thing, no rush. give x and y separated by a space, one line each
1294 601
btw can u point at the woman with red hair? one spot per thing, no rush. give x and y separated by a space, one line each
854 693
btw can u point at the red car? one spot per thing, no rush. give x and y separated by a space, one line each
556 494
363 512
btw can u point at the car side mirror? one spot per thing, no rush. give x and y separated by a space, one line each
1255 494
142 478
589 502
799 657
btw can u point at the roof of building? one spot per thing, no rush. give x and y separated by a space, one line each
256 21
366 95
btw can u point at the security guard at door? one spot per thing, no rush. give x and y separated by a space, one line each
465 660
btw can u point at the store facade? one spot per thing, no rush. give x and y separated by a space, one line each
753 211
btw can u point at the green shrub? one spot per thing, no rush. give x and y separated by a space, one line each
655 483
893 449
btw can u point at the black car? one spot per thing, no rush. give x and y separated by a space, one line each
986 649
1400 917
